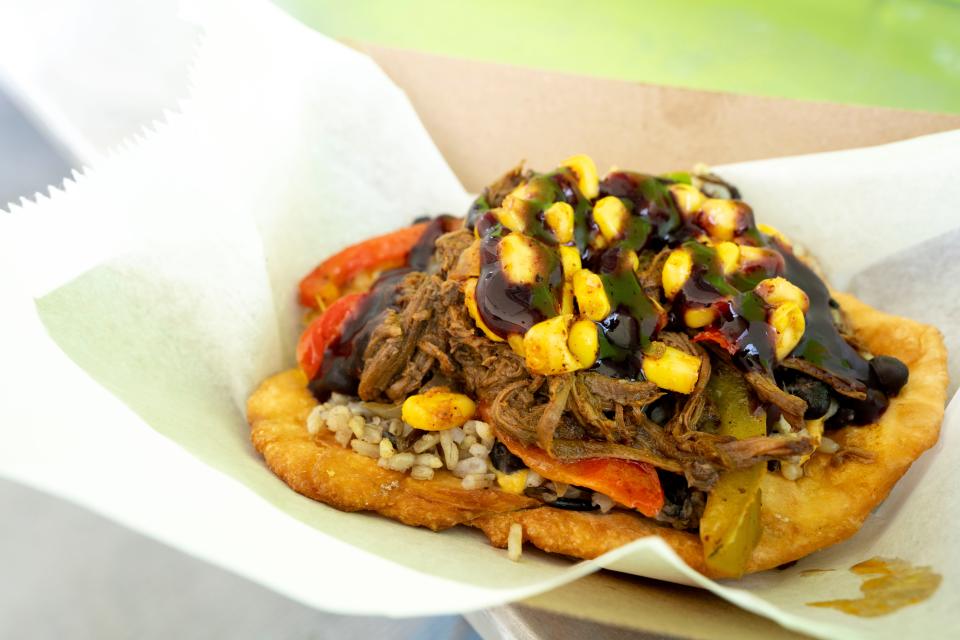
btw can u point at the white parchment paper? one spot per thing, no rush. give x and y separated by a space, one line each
165 278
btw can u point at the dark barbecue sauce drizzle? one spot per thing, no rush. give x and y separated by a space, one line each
740 316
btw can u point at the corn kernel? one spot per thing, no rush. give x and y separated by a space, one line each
584 342
756 255
676 271
687 197
670 368
437 409
512 219
611 216
729 254
788 322
545 347
591 296
570 261
777 291
566 297
514 482
524 195
722 218
515 340
470 299
586 171
522 259
773 232
699 317
559 217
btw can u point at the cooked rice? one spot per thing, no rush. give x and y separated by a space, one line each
426 442
791 470
451 452
605 502
386 448
419 472
357 424
372 434
478 450
315 421
365 448
515 541
534 479
401 461
477 480
828 445
465 451
470 466
429 460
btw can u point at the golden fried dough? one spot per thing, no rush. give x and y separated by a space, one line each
825 506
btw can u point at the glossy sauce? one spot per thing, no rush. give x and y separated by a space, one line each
510 308
898 584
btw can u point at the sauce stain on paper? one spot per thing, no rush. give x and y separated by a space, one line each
897 584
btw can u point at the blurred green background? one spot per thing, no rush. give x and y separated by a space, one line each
895 53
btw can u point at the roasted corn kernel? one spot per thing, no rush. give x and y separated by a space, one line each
523 259
729 255
513 219
584 342
559 217
699 317
777 291
722 219
514 482
773 232
758 256
788 322
591 296
470 299
670 368
611 216
545 347
437 409
676 271
586 171
570 263
515 340
687 197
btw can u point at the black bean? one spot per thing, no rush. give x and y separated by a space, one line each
859 412
844 416
503 460
574 504
661 410
815 393
890 374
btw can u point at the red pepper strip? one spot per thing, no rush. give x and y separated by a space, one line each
631 483
714 335
382 252
322 331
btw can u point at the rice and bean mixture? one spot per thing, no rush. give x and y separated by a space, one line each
464 451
